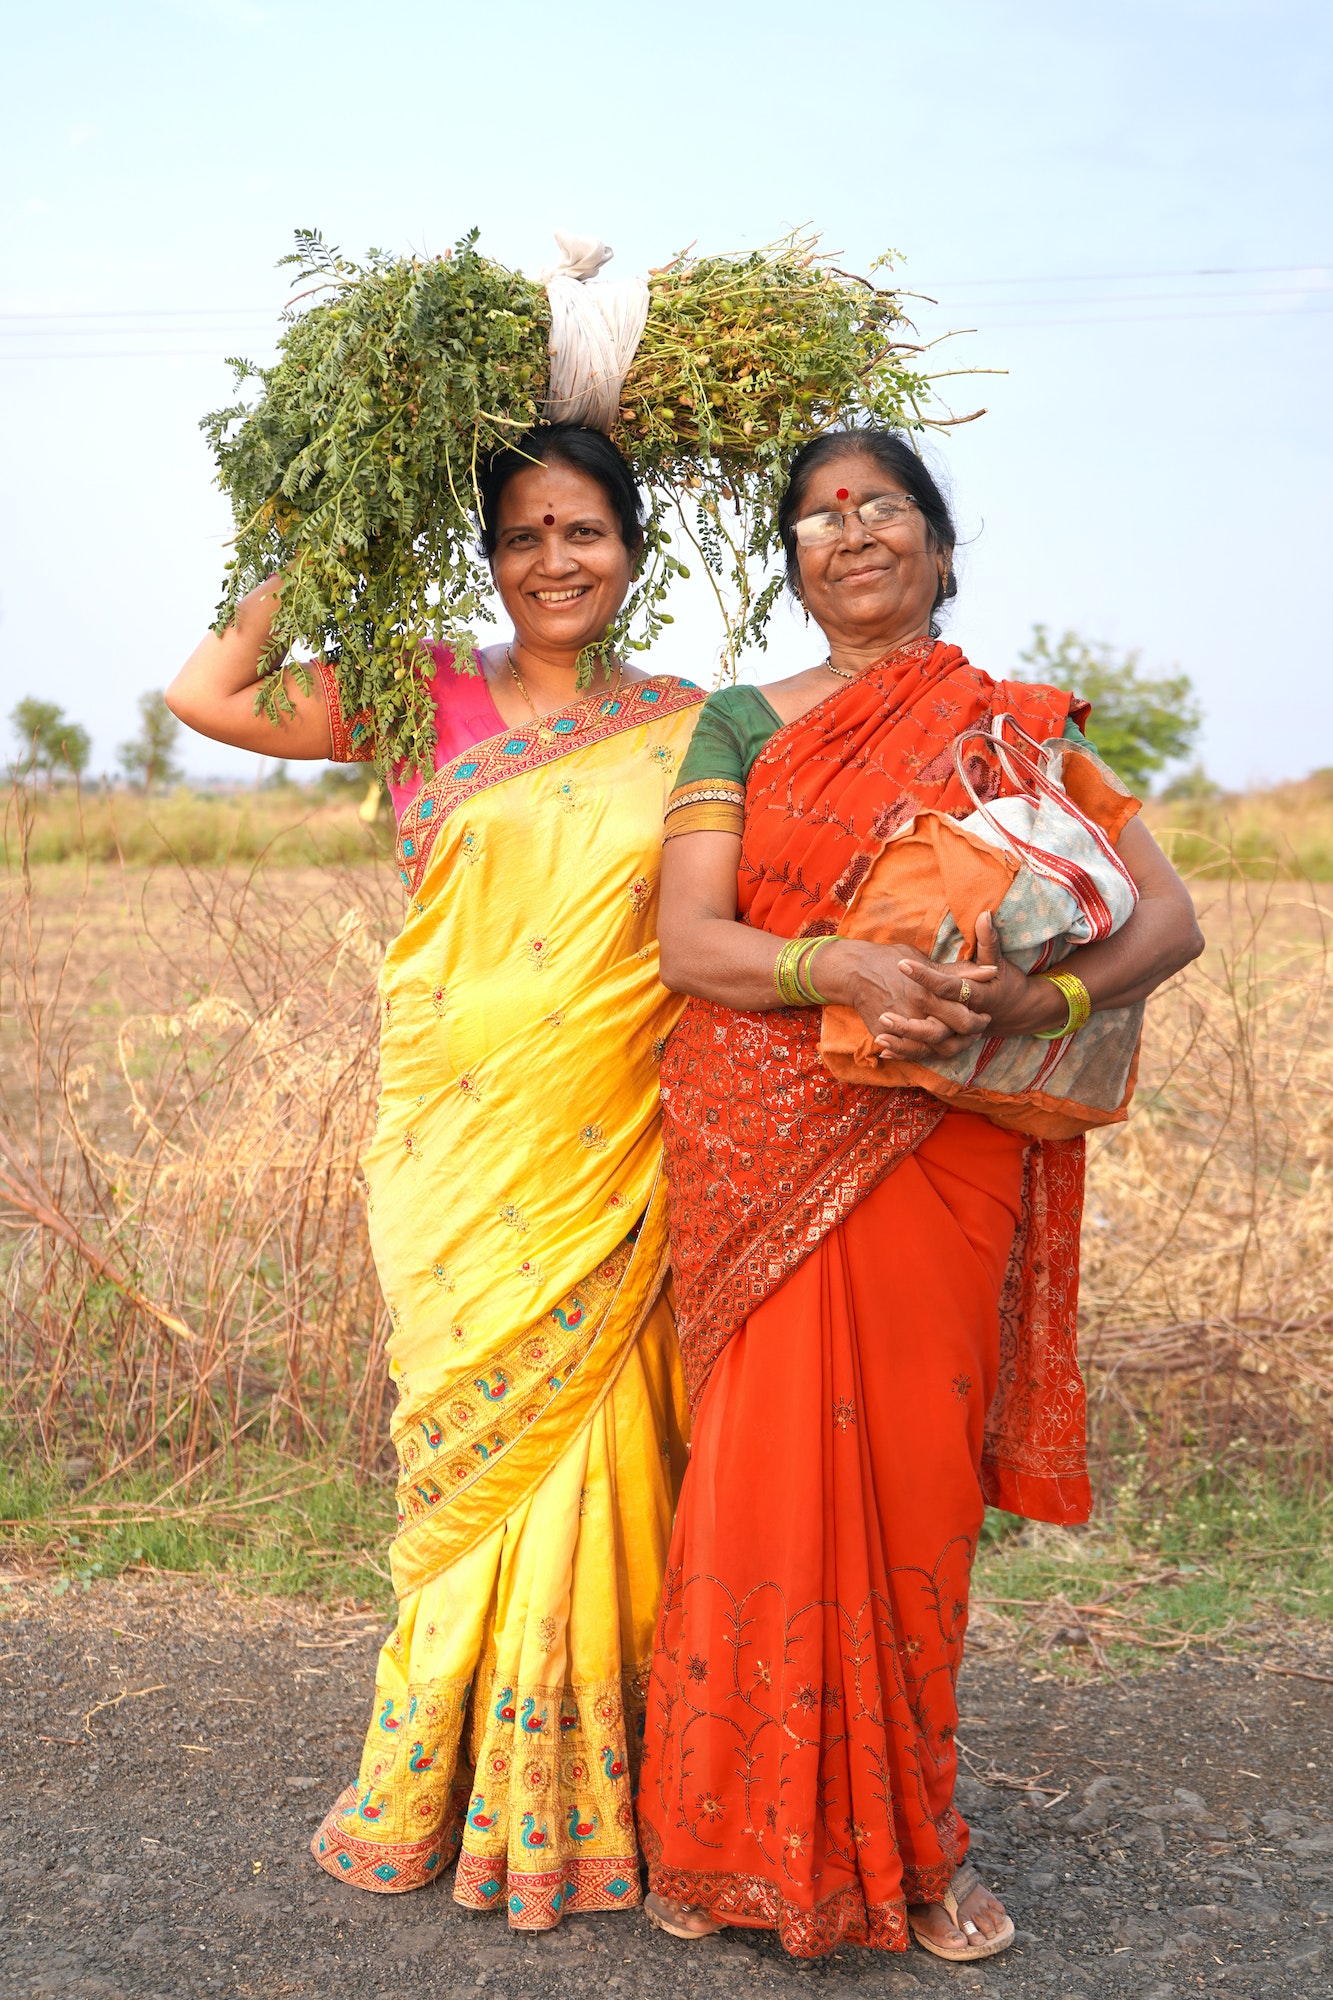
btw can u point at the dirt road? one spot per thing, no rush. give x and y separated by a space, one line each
167 1750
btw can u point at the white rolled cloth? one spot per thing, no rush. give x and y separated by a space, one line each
595 331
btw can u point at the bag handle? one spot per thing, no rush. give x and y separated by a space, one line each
1058 868
1039 753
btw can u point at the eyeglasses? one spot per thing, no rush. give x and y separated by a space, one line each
885 511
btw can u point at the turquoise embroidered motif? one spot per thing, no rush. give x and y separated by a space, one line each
501 757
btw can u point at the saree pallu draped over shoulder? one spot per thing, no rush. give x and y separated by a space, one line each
876 1311
517 1217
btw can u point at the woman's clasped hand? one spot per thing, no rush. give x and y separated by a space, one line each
911 1007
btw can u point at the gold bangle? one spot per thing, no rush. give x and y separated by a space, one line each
1077 1000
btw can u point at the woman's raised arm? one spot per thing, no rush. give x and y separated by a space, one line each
214 692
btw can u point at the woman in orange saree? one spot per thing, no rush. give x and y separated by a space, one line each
876 1291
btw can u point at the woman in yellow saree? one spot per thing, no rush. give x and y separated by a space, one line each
517 1216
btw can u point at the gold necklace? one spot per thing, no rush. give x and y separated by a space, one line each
545 733
841 672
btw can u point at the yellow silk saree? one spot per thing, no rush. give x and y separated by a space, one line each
517 1216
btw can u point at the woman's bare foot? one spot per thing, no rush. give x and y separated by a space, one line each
977 1907
680 1920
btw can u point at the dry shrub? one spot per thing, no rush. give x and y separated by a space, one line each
297 825
1207 1299
1284 832
188 1069
187 1256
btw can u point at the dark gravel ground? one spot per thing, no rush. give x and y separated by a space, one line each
158 1848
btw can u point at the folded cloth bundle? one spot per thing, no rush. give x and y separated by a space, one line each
1043 862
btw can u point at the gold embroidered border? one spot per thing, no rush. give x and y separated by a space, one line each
513 754
352 738
445 1530
716 815
446 1442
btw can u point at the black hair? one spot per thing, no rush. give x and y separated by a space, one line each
892 453
563 444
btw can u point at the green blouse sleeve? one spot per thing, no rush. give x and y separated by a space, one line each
709 794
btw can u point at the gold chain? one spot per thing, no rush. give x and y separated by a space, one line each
544 729
841 672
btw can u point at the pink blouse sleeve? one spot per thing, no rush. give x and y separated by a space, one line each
464 714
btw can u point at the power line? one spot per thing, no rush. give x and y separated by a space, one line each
1148 319
268 312
94 331
1138 298
155 312
1136 277
1214 306
125 354
991 326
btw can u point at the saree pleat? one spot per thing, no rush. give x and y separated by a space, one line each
799 1751
517 1215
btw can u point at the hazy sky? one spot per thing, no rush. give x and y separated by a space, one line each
1132 206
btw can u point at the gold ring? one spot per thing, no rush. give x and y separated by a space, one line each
965 991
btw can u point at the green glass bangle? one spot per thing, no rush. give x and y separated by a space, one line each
791 974
1077 1001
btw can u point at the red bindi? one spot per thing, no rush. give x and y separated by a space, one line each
842 493
548 520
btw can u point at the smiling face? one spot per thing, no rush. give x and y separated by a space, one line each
560 566
867 589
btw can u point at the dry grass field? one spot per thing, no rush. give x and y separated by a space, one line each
192 1331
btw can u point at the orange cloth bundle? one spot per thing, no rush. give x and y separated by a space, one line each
927 888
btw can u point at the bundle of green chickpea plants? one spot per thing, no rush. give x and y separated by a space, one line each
354 471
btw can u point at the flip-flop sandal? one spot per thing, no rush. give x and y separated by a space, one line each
660 1914
965 1880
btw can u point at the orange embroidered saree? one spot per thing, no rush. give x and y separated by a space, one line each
876 1301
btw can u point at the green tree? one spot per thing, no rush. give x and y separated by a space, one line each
146 759
1139 724
1192 788
48 740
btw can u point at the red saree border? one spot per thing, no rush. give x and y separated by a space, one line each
351 737
385 1868
515 753
1034 1457
754 1902
765 1154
